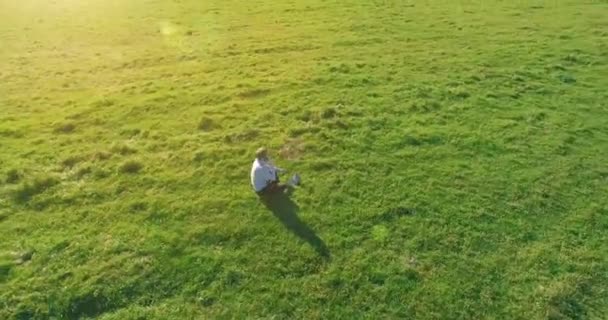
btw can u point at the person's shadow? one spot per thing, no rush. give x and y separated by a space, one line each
287 212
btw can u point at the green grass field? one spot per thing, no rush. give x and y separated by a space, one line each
453 154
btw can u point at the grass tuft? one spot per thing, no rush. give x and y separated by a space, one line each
199 156
12 176
83 171
254 93
71 161
5 270
329 113
568 303
206 124
244 136
28 190
101 155
122 149
131 167
566 78
24 256
458 92
65 128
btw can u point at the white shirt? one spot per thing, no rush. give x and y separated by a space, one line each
262 172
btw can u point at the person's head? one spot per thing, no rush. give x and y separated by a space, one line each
261 154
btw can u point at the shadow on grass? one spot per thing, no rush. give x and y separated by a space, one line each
287 212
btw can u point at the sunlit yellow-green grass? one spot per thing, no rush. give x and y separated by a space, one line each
453 156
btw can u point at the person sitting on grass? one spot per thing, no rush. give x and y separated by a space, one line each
265 176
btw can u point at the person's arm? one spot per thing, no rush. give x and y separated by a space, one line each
271 175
